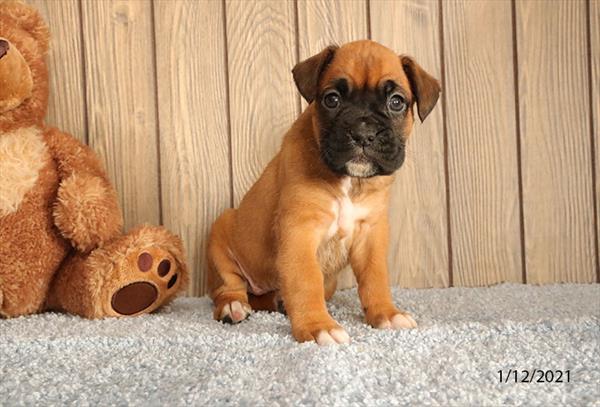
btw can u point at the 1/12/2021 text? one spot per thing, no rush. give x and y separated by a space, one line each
534 376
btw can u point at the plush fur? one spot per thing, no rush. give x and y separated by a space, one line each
61 245
23 153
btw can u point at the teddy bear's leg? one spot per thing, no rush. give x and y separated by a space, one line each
131 275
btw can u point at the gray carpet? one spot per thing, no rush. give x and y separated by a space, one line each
180 356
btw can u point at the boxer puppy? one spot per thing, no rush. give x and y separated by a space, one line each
322 201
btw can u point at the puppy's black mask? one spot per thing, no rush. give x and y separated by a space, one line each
362 129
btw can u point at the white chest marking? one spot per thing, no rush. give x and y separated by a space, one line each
346 213
23 153
333 251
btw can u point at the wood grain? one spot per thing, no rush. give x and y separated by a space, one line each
321 23
66 104
482 142
418 221
555 132
263 102
194 140
595 86
121 101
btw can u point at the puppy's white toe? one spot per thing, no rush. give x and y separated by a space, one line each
235 312
333 337
413 322
385 324
340 335
400 321
324 339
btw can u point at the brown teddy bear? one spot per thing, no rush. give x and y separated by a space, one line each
61 245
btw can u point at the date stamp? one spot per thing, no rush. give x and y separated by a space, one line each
534 376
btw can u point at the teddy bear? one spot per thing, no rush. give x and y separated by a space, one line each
61 242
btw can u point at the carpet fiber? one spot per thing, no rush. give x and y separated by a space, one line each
180 356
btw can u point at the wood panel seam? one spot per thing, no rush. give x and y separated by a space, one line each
228 101
297 34
518 140
86 136
158 153
368 15
592 140
445 139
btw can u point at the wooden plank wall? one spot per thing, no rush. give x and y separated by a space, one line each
193 115
482 142
554 106
187 100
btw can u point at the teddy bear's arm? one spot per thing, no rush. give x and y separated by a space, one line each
86 210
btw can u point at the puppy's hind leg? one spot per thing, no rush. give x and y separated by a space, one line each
228 290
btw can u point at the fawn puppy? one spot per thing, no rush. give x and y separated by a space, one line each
322 201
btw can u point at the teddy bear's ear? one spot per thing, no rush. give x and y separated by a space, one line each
28 19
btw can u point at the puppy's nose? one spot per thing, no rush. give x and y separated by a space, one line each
3 48
363 139
362 134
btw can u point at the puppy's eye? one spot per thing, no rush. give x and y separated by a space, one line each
397 103
331 100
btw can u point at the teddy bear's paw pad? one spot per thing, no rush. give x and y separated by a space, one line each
153 277
134 298
158 266
161 267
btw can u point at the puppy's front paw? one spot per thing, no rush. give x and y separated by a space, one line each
323 332
391 319
234 312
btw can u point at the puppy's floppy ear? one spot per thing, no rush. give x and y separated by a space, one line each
424 86
307 73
